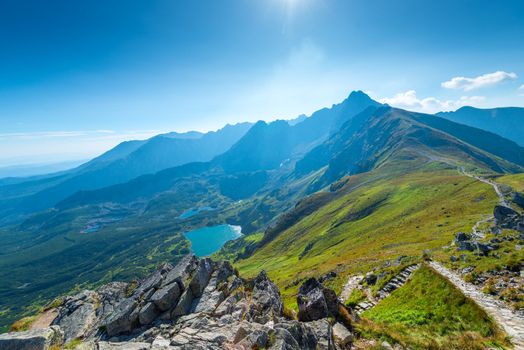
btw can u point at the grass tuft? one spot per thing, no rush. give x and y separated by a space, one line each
22 324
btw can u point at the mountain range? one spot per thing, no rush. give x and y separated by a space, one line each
346 190
120 164
506 122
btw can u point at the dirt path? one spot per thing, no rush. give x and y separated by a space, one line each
477 233
351 284
502 199
505 317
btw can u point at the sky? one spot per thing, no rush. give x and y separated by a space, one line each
77 77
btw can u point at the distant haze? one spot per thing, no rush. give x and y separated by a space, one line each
37 169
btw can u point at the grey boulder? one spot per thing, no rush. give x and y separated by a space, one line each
342 336
182 271
77 315
37 339
148 313
123 319
184 304
315 301
166 297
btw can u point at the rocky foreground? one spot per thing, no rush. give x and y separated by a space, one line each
198 304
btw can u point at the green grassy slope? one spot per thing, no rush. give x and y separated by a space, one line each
430 313
515 181
374 220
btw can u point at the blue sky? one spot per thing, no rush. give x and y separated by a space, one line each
77 77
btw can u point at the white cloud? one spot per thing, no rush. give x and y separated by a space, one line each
521 87
410 101
485 80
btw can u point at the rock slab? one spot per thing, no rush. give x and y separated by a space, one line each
36 339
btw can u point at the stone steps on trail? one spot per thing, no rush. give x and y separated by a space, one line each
363 306
352 283
396 282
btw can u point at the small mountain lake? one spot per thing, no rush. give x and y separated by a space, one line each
192 212
207 240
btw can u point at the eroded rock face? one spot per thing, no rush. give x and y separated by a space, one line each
167 296
201 277
198 304
124 317
37 339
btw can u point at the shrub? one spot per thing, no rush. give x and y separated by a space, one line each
22 324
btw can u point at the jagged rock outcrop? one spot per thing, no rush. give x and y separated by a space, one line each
508 218
37 339
198 304
316 301
81 315
266 301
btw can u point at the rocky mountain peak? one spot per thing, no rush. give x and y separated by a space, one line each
359 94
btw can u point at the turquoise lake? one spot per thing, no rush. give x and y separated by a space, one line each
207 240
192 212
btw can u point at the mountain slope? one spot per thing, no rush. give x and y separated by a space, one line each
485 140
126 161
266 146
257 151
507 122
387 134
372 218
